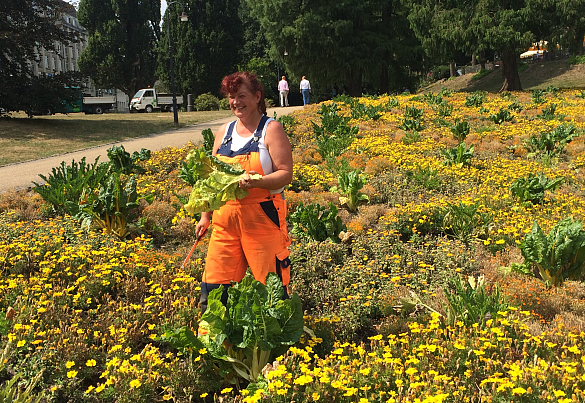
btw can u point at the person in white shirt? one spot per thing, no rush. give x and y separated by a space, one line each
305 90
283 90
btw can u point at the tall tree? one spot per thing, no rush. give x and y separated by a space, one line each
442 28
205 48
122 38
335 41
569 31
26 26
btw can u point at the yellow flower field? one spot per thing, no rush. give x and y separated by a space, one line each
393 316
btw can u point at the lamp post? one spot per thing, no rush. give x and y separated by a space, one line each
277 58
184 17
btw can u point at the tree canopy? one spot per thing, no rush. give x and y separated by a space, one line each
25 27
122 39
342 41
205 48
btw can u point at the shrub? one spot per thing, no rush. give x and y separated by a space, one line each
475 99
533 187
224 104
206 102
481 74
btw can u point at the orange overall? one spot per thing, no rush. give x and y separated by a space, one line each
250 232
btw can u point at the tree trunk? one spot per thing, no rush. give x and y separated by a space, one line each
482 60
510 71
452 71
384 79
353 80
473 59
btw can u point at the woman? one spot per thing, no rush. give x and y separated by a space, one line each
250 232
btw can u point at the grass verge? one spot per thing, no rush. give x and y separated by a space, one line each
24 139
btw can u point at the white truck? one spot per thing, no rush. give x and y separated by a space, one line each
148 100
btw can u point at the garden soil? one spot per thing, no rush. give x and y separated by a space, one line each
22 175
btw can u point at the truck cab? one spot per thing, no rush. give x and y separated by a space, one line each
148 100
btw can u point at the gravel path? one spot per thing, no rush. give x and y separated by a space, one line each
21 175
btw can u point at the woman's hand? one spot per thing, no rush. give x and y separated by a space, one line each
248 183
203 224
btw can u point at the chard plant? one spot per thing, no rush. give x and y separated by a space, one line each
316 222
334 135
531 189
349 186
476 99
459 156
503 115
463 220
409 124
551 142
559 255
538 97
548 113
460 130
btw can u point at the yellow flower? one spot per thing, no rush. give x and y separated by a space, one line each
91 363
316 396
135 383
21 343
226 390
203 395
69 364
71 374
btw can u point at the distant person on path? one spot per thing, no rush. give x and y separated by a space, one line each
305 90
335 90
283 90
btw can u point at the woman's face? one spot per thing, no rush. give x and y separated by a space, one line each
244 102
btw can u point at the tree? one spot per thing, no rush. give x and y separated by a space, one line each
122 39
569 31
336 41
205 48
443 28
25 27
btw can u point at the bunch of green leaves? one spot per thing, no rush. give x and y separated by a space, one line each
392 103
257 324
361 111
425 177
411 137
459 156
515 106
465 221
114 206
409 124
121 161
475 99
551 142
470 302
316 222
460 130
349 186
581 94
432 99
413 112
558 256
13 391
187 173
444 109
531 189
445 92
67 185
548 113
538 97
551 89
216 182
503 115
288 123
334 135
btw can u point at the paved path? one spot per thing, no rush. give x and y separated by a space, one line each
21 175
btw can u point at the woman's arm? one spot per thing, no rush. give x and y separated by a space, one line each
280 152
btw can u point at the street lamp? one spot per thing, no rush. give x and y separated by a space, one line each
184 17
277 58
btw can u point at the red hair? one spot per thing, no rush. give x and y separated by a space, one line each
233 82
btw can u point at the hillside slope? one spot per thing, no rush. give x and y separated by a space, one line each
558 73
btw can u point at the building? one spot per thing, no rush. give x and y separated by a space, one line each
65 56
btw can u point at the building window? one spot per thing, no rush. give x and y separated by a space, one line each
46 62
53 63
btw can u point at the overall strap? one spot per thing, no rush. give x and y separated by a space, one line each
251 146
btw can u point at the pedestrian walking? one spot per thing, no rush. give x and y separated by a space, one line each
283 90
305 90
